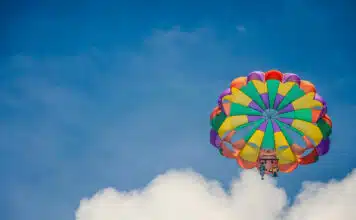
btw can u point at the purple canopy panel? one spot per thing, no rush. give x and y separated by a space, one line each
278 100
214 139
323 147
288 108
319 98
287 121
275 126
265 99
251 118
256 75
255 106
222 95
324 108
263 126
291 77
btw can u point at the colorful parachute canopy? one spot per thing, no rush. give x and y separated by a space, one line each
276 109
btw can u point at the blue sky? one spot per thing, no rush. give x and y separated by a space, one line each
100 94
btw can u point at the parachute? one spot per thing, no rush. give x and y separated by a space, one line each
276 110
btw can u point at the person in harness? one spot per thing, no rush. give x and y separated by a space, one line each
262 169
275 171
268 163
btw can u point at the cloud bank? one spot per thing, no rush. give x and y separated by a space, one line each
184 194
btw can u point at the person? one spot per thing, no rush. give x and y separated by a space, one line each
275 171
262 169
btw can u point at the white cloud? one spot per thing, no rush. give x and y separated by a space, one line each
178 195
